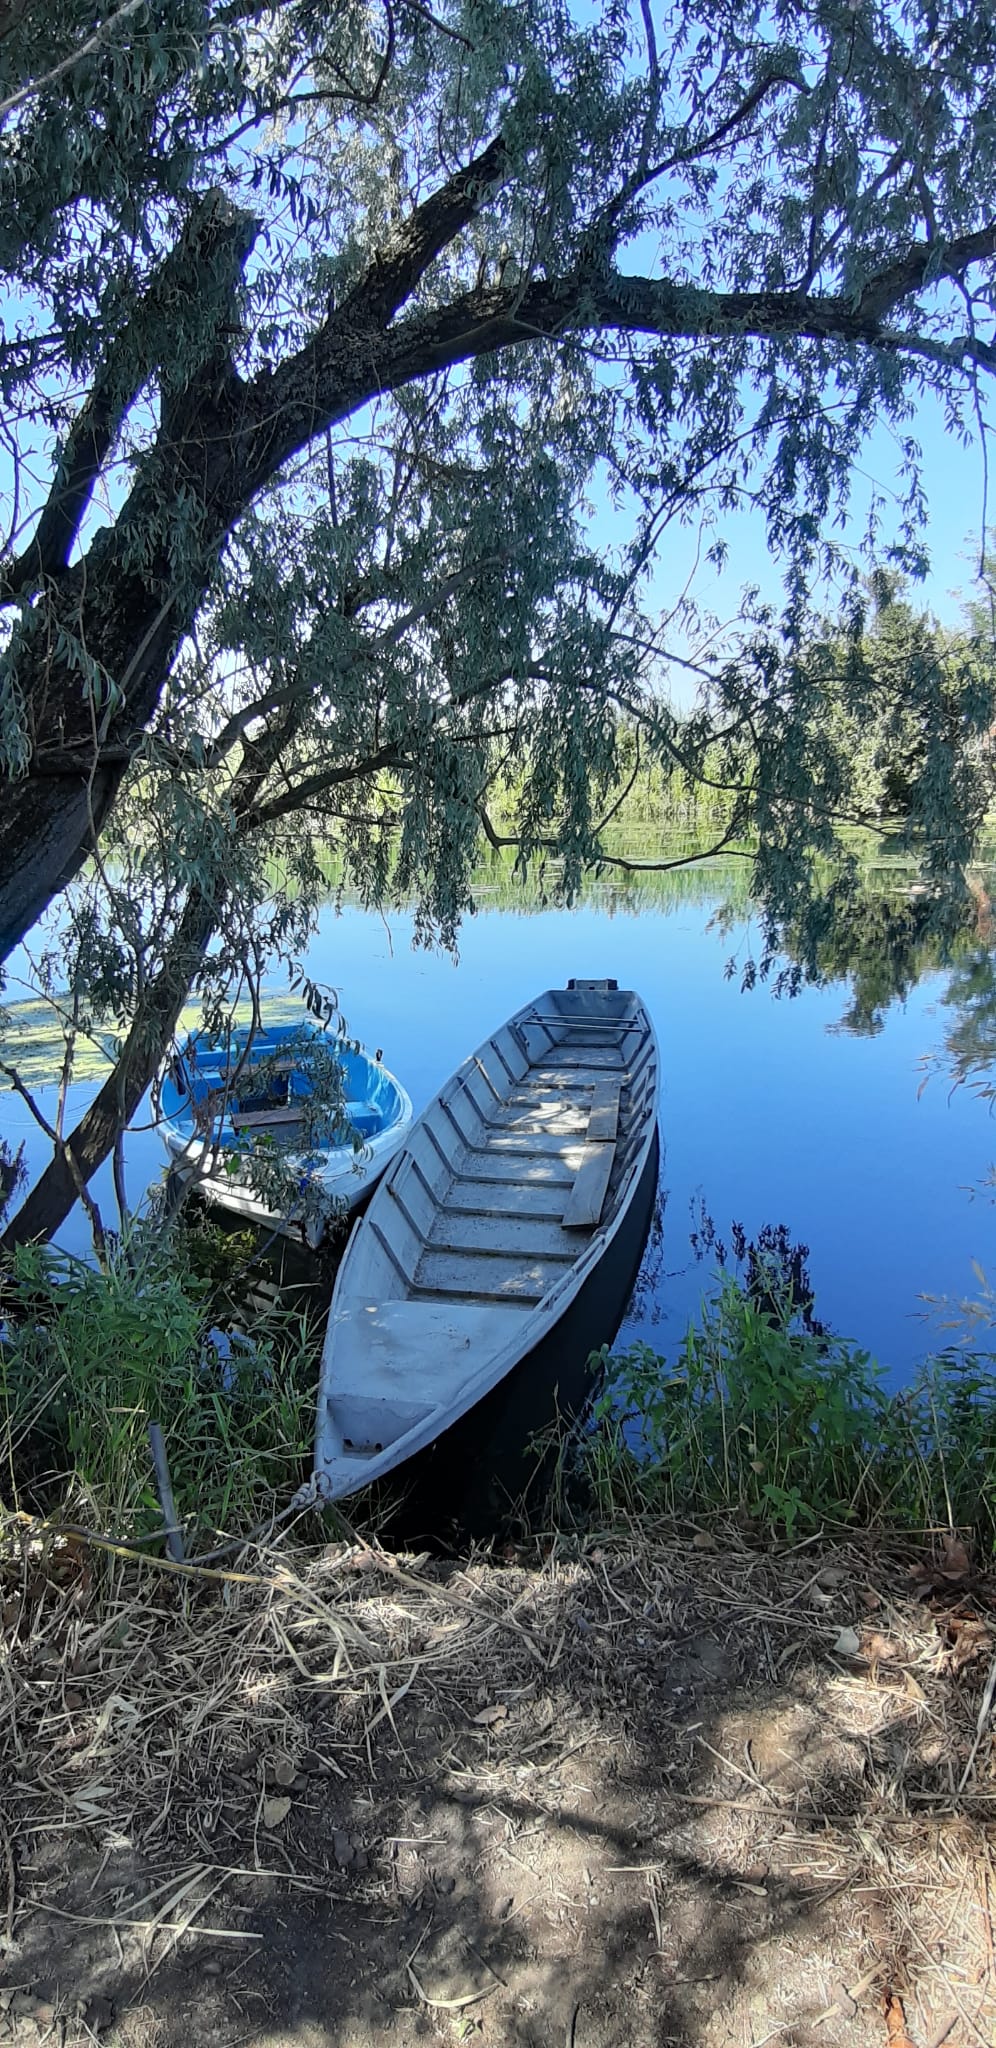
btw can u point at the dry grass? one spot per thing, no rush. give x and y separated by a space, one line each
187 1723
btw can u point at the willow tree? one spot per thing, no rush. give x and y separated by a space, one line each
350 700
725 238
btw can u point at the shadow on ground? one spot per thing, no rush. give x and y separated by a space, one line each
655 1792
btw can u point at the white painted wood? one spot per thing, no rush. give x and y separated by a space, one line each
398 1361
522 1169
579 1075
420 1203
541 1144
468 1254
588 1193
451 1272
601 1056
502 1237
603 1122
509 1198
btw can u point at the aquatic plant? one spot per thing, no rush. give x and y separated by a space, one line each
792 1429
90 1358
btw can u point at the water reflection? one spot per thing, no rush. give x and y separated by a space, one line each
800 1112
969 1052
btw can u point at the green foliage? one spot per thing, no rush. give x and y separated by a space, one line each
792 1431
335 321
873 730
88 1359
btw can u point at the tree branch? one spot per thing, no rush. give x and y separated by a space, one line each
205 264
286 401
353 359
84 49
502 840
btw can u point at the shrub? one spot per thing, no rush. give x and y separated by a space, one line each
791 1429
88 1359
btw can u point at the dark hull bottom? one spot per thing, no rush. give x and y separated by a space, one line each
479 1478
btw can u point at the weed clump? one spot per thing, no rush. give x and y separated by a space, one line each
90 1357
767 1417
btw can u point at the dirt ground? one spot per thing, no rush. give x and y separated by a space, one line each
655 1790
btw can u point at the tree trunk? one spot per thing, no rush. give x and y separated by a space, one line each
55 1192
51 816
46 829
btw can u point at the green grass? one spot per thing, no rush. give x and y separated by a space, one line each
790 1431
88 1359
763 1417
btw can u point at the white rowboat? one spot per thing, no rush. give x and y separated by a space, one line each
528 1178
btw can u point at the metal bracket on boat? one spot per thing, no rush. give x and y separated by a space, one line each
605 986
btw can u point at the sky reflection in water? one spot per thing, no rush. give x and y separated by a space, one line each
771 1112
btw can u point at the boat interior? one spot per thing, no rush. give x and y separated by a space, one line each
516 1166
266 1091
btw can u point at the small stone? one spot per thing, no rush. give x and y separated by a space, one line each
212 1967
342 1849
22 2003
284 1771
848 1643
44 2013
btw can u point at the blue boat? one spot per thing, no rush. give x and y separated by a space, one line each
218 1099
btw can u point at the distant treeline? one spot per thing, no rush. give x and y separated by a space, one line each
654 793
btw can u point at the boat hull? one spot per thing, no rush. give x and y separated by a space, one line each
349 1185
485 1476
497 1255
341 1175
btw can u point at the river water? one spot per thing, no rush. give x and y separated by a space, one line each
807 1111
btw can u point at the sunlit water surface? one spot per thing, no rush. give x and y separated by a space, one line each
771 1113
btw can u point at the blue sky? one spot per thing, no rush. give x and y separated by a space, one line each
954 486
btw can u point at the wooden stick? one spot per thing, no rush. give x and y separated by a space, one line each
164 1488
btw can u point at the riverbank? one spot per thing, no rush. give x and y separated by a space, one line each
642 1788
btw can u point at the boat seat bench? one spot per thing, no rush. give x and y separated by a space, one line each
587 1197
261 1119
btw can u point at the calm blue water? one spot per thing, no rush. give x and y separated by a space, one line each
769 1115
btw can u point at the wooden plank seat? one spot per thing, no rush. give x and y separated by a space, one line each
587 1196
257 1069
261 1119
603 1116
